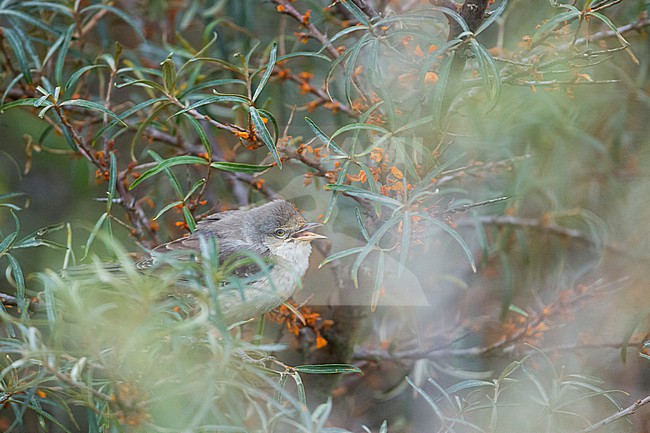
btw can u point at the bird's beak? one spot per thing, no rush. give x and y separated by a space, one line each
304 234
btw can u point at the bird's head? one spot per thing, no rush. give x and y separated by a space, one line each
283 229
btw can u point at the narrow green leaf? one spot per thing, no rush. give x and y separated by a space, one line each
441 89
63 53
20 103
198 184
300 388
112 181
10 86
201 133
269 71
166 208
356 12
406 243
176 160
93 233
189 219
28 18
328 369
169 75
212 100
362 228
142 83
75 77
121 14
339 181
327 141
265 135
379 281
362 193
19 278
272 119
360 126
454 234
489 72
340 255
454 15
23 64
494 15
304 54
239 167
372 184
90 105
550 25
371 246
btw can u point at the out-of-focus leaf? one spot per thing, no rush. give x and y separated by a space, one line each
489 72
265 135
468 384
300 388
454 234
269 70
549 25
441 89
123 16
176 160
27 18
63 53
380 272
453 15
19 278
406 243
328 369
23 64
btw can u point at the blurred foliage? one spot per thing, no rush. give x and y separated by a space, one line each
483 179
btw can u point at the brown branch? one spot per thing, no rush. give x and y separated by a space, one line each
505 344
285 7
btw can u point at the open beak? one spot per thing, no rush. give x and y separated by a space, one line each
304 234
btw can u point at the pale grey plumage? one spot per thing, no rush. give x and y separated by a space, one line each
274 230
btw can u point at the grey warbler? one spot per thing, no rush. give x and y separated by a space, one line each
274 231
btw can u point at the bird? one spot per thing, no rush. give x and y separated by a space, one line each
274 231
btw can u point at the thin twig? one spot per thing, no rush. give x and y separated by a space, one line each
620 414
285 7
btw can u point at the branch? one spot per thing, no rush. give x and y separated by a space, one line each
623 413
285 7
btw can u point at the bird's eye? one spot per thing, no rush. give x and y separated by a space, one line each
280 233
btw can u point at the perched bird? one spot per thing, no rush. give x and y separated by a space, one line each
274 231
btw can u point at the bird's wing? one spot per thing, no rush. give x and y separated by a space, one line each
230 245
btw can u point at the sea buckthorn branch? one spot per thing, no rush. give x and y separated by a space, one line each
285 7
